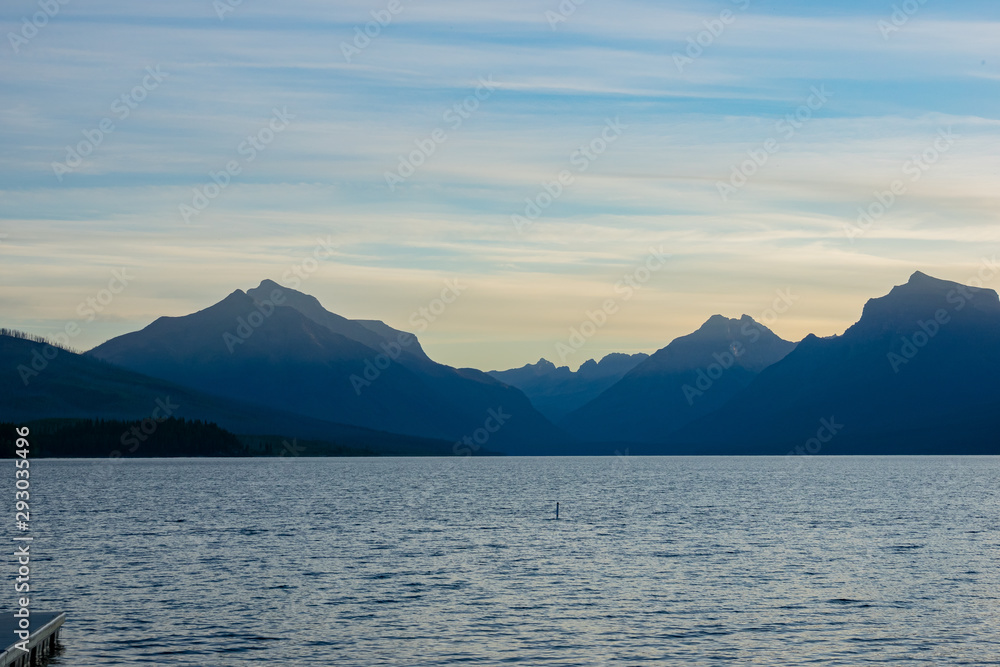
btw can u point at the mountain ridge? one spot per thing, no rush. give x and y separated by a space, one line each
74 386
688 378
917 373
893 371
277 346
557 391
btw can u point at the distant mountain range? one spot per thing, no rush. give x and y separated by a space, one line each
691 377
277 347
918 373
65 385
557 391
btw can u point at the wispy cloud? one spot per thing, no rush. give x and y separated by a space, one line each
555 90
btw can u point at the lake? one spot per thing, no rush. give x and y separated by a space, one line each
433 561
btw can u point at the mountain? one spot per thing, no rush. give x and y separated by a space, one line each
687 379
556 392
45 383
278 347
372 333
918 373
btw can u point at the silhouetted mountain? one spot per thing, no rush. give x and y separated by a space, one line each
918 373
558 391
370 332
280 348
64 385
689 378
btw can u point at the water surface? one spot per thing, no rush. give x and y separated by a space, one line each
659 561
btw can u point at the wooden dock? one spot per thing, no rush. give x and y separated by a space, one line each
41 643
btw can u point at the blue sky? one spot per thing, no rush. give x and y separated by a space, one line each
891 85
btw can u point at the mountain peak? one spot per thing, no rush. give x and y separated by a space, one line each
720 326
373 333
266 290
613 364
236 299
656 395
919 298
923 282
268 284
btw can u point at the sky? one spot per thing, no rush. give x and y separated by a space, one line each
635 165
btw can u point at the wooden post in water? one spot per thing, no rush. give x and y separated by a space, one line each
557 510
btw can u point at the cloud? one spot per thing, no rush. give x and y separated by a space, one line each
354 121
